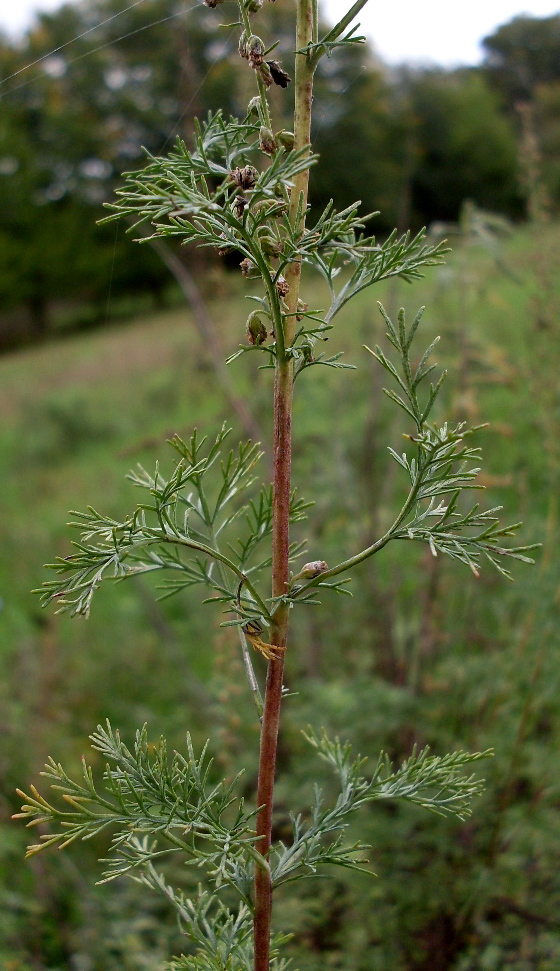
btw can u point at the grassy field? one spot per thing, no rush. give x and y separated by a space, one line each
423 652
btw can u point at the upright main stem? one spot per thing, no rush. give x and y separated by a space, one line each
282 457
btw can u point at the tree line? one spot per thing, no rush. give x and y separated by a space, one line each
92 86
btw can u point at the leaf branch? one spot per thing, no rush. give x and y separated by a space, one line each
441 466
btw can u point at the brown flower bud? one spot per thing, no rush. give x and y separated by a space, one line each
249 269
265 74
267 142
254 51
302 308
279 75
244 178
239 205
313 569
282 286
256 330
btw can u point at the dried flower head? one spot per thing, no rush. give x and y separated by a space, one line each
265 74
254 51
267 142
249 269
282 286
245 177
239 205
279 75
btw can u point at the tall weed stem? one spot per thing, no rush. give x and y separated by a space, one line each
282 452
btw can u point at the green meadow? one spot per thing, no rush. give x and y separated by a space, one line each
424 653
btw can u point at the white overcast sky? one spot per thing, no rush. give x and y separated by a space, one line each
437 31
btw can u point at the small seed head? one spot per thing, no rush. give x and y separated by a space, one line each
269 245
267 142
254 51
313 569
239 205
249 269
245 177
256 330
286 138
282 286
265 74
307 350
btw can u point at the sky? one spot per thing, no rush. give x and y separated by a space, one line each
433 31
437 31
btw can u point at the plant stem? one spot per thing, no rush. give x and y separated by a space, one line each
282 453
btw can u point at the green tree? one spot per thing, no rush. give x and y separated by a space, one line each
522 64
547 124
72 122
50 248
521 55
464 148
358 130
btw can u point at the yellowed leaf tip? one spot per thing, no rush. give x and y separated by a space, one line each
33 850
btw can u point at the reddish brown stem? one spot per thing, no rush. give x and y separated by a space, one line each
282 454
273 696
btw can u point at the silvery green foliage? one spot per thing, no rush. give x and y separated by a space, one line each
186 527
194 195
156 807
440 467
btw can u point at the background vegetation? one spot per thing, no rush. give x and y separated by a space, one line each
416 142
418 655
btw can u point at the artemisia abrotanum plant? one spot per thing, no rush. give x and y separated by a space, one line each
243 188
